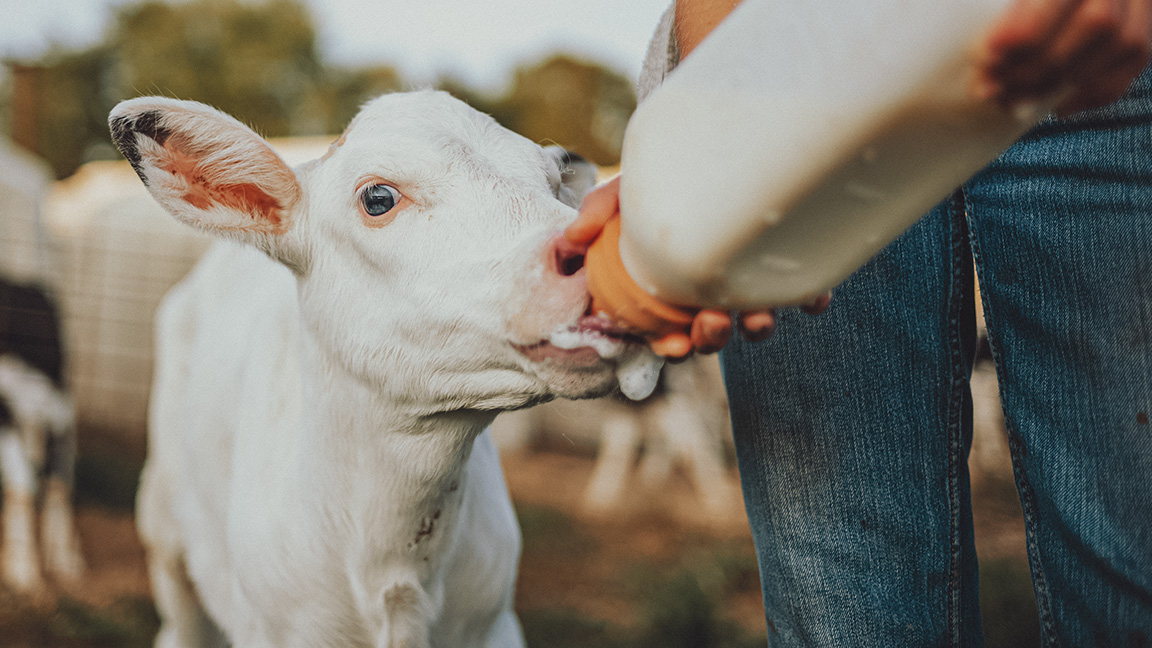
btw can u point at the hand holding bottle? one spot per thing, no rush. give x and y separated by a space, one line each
1082 52
710 329
1090 50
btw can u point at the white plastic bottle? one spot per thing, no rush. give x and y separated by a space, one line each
795 142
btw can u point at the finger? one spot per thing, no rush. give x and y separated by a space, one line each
674 346
818 305
1090 35
1137 35
1108 89
1139 22
1130 52
711 330
757 326
1017 38
598 207
1025 28
1083 47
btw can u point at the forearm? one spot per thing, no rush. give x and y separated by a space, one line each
1088 49
695 19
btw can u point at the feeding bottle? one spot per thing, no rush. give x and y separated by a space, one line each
791 146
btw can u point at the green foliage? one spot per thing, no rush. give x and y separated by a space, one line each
568 629
72 112
679 605
681 613
106 480
130 622
258 61
684 609
255 61
70 623
494 105
680 610
578 105
1008 605
547 529
341 92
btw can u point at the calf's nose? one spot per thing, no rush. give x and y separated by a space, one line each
567 257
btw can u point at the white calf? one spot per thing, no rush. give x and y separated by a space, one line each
317 473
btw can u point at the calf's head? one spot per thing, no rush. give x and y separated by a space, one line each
425 244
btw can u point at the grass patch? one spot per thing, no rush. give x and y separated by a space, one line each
568 629
128 623
1008 605
546 529
106 480
684 611
681 607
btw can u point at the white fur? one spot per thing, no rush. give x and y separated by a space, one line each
317 472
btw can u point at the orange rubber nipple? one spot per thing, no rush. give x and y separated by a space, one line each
615 294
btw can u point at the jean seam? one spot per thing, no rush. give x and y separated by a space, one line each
956 215
1028 504
1024 489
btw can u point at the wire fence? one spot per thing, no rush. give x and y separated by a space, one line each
108 253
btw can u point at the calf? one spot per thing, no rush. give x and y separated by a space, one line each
37 440
318 472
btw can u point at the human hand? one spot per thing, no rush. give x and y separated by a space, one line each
1086 52
711 329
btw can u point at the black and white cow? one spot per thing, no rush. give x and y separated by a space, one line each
37 441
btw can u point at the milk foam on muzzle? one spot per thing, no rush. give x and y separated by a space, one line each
637 367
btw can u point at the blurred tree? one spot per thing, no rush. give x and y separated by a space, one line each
485 102
581 106
258 60
254 60
69 111
343 91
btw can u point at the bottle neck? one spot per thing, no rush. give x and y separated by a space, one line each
618 296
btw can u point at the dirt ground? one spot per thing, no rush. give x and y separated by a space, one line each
651 574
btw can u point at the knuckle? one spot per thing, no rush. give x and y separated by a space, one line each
1134 46
1101 20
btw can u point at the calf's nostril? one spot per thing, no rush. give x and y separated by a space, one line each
570 265
569 258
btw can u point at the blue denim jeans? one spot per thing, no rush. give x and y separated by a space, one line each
853 428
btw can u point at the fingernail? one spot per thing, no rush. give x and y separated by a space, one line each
1028 112
760 333
716 330
672 346
984 90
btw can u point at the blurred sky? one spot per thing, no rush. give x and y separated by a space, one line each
478 41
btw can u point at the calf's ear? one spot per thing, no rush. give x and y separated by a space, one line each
577 175
212 172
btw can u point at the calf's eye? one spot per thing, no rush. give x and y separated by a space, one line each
378 199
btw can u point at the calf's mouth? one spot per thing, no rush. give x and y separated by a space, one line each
594 340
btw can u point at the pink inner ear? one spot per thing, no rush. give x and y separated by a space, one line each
247 198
